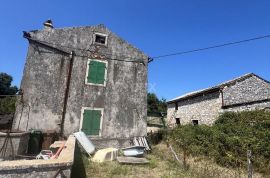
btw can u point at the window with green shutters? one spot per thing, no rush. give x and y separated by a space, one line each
96 73
91 121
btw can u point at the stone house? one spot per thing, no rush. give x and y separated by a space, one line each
83 78
247 92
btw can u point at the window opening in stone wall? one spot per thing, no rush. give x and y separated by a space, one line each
101 39
195 122
176 106
177 121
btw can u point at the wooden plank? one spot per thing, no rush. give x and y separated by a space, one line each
132 160
141 141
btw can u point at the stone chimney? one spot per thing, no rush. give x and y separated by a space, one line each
48 24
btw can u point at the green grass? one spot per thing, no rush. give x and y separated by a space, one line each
162 165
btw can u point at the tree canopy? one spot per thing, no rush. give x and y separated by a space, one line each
155 105
5 85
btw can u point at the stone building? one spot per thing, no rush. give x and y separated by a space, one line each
83 78
247 92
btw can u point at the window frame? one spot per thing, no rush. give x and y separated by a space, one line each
101 119
105 73
100 34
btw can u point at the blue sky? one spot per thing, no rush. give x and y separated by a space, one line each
156 27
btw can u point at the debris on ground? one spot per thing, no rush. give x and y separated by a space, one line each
85 142
49 154
45 154
141 141
107 154
132 160
137 151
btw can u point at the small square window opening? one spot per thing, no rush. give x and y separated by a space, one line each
195 122
100 39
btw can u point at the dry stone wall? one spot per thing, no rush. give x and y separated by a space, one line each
249 93
203 108
249 90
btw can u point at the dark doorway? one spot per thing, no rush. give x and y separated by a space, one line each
177 121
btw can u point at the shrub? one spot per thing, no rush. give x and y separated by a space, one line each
7 105
229 138
156 137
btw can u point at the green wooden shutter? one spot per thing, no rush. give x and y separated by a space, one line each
96 72
91 122
96 122
92 72
101 67
87 122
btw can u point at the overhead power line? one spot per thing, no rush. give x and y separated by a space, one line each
151 58
209 47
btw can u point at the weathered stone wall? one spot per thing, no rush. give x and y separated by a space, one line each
115 143
19 145
38 168
249 93
43 86
203 108
154 124
248 90
45 75
5 121
170 114
46 172
248 107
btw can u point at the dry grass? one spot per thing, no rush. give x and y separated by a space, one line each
162 165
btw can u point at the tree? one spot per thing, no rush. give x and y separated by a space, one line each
154 105
5 85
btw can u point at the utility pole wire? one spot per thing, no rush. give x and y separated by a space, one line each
210 47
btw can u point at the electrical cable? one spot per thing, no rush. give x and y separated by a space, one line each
210 47
150 59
